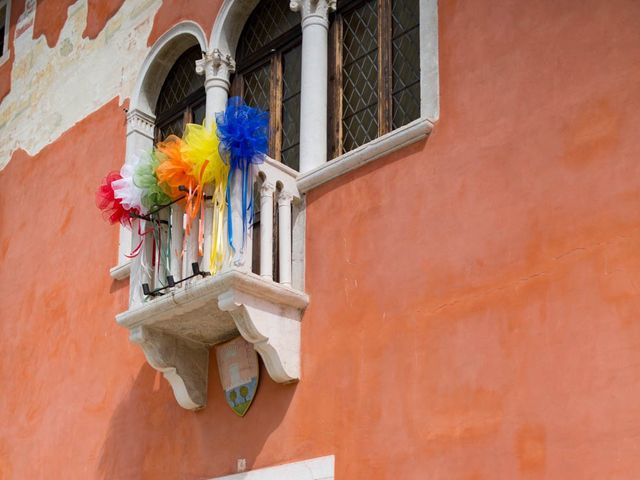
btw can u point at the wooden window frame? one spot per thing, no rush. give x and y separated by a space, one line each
271 53
384 77
184 107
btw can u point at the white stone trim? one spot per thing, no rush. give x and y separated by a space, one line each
321 468
159 61
429 69
377 148
121 271
232 16
4 56
313 80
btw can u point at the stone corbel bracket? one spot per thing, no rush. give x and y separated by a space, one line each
177 330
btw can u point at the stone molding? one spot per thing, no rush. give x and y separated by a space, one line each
313 11
320 468
377 148
216 67
140 123
175 331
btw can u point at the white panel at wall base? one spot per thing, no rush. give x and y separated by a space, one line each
321 468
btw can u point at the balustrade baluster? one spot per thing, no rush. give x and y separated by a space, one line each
177 238
284 234
266 230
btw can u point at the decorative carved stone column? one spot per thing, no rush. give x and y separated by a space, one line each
313 94
217 68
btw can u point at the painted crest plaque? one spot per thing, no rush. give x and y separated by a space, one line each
238 368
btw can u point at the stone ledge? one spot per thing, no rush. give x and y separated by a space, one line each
121 271
175 331
377 148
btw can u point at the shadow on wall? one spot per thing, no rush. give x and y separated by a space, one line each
150 436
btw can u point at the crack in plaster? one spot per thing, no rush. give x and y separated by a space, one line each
471 297
55 88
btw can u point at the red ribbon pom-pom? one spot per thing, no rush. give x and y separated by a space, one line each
111 206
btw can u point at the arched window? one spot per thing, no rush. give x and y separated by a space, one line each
374 70
268 74
182 97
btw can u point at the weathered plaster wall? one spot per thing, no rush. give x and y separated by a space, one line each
60 75
474 297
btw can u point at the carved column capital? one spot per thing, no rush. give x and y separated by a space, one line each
314 11
216 67
140 123
267 189
284 198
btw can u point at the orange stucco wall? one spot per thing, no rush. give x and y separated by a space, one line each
475 297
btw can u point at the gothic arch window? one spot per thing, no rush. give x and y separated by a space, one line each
182 97
268 74
374 70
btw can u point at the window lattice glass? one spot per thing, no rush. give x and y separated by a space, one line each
181 82
406 61
268 61
173 127
360 75
257 87
182 97
291 107
268 21
375 72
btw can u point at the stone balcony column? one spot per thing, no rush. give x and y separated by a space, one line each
313 94
217 68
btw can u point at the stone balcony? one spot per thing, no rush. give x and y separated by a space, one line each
177 320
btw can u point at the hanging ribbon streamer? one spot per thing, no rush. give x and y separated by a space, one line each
201 150
244 134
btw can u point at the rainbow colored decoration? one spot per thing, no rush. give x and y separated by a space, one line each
193 170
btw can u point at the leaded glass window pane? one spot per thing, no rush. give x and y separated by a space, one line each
257 87
268 73
199 113
172 127
291 107
182 97
181 82
268 21
360 75
405 61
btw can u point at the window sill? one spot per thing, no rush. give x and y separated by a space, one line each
392 141
121 271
